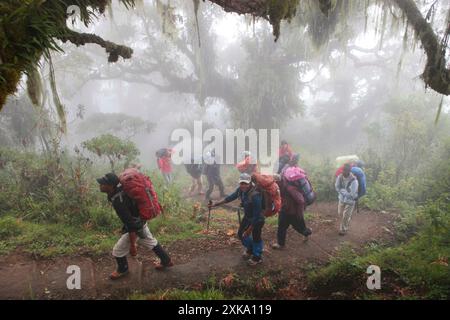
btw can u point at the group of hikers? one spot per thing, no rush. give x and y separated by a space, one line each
287 193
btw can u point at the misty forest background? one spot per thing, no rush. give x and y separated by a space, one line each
345 82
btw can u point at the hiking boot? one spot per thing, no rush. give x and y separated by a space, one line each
307 234
342 233
246 255
276 246
162 267
254 261
117 275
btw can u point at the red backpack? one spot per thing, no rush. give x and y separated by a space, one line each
139 187
271 191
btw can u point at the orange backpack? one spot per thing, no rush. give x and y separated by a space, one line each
271 192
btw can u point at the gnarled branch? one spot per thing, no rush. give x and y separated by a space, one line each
114 50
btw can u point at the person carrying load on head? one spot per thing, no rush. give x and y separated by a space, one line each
347 188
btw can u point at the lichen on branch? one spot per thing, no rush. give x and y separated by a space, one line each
114 50
31 28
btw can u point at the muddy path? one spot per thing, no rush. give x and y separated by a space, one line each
196 260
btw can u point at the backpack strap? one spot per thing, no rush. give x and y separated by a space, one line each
117 195
352 178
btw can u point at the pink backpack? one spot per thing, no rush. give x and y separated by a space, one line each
294 174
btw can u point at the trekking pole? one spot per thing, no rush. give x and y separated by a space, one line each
209 214
239 215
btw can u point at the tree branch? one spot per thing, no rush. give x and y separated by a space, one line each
435 75
114 50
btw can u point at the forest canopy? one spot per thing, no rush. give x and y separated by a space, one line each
34 28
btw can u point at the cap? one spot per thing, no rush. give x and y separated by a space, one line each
109 179
245 178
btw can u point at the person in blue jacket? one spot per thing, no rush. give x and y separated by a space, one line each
251 225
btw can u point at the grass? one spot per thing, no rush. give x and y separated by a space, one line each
179 294
418 267
51 240
211 289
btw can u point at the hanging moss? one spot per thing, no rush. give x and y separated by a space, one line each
29 29
196 7
278 11
35 87
60 109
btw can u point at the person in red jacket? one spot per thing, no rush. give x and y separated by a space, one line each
164 160
246 165
284 155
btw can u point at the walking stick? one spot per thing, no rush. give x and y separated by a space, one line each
209 214
239 215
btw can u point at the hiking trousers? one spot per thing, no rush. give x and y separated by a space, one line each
345 211
146 239
214 180
284 221
196 182
252 243
167 177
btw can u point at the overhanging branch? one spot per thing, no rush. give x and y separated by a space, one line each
114 50
435 75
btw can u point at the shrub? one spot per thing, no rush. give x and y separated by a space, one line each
9 227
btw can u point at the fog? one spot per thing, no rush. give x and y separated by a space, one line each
322 83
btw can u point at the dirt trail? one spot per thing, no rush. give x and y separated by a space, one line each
196 260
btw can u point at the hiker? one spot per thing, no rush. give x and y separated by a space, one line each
246 165
347 189
164 160
358 172
293 162
195 171
211 170
250 228
284 155
294 201
134 228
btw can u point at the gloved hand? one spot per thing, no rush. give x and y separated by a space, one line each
133 249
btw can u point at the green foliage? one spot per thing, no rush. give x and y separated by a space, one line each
49 240
420 264
342 272
63 211
280 10
178 294
9 227
29 29
113 148
121 125
321 175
